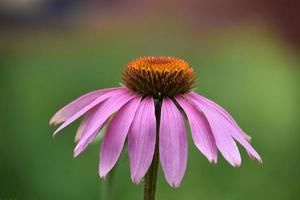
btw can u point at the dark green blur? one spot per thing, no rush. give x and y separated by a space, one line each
249 71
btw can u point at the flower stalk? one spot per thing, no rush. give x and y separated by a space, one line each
151 176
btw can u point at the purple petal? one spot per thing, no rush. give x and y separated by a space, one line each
102 113
235 131
221 110
86 108
225 127
141 139
224 141
201 131
115 136
83 123
250 150
76 105
172 143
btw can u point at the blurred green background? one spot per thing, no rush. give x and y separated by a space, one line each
247 68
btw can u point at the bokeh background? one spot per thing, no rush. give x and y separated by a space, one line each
245 53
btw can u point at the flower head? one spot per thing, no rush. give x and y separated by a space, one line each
159 76
152 83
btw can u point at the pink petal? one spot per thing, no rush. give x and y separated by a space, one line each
87 117
224 141
234 130
86 108
172 143
115 136
221 110
99 118
250 150
201 131
141 139
76 105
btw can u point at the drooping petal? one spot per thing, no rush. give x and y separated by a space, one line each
221 110
141 139
225 126
172 143
76 105
250 150
99 118
200 129
89 106
86 118
115 136
235 131
224 141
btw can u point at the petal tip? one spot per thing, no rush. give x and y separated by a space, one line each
52 121
102 173
258 159
56 131
78 150
55 120
253 155
236 165
135 179
75 154
175 184
213 161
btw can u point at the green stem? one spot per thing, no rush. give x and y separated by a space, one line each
151 176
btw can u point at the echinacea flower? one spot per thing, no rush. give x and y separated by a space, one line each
129 112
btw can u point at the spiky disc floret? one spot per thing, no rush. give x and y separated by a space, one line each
158 76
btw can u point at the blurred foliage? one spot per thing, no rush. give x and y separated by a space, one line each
248 71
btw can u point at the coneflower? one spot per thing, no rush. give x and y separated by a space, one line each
149 110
